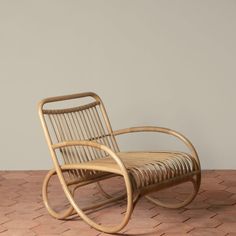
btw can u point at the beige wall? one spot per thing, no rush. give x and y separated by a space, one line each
165 63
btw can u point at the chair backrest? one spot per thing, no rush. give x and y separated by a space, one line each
85 118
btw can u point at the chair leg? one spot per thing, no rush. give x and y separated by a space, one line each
196 186
102 228
81 212
58 215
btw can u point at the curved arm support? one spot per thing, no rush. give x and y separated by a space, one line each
123 171
161 130
96 146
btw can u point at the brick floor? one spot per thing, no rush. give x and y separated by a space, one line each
213 212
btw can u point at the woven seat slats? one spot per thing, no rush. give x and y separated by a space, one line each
147 168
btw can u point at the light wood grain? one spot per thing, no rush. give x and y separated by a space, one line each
90 153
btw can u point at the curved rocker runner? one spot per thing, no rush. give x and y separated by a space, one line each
83 146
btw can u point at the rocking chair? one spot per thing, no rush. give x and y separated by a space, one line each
83 145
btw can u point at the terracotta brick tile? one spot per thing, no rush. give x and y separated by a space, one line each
6 210
174 234
222 209
229 183
198 205
183 189
4 219
218 198
51 234
141 213
198 213
149 222
2 229
144 228
6 202
13 183
210 173
227 177
49 228
225 172
227 201
198 198
2 178
210 180
35 179
16 175
176 228
140 226
37 172
76 224
110 219
161 210
231 189
216 194
228 227
144 204
20 224
5 194
26 207
226 217
30 215
85 232
233 196
170 218
47 219
212 186
32 188
140 231
207 232
206 223
18 232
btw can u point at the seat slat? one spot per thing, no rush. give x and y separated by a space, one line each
148 168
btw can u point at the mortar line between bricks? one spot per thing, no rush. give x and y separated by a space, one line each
37 209
213 216
5 221
219 225
155 215
191 230
37 217
155 226
10 212
186 220
4 231
66 230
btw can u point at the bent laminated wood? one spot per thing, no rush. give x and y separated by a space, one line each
82 136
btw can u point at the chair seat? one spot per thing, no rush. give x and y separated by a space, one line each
148 168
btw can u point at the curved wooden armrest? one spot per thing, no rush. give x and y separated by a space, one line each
161 130
123 170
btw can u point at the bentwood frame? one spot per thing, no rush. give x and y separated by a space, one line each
88 146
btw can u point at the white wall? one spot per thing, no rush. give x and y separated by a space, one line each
165 63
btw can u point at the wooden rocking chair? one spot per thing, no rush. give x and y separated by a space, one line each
83 146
